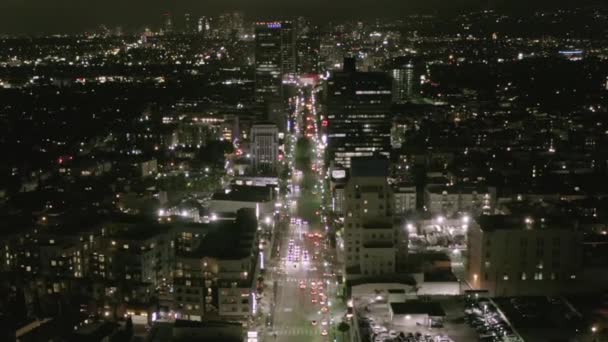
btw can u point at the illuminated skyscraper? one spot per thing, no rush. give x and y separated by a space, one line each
405 84
275 58
188 24
264 146
308 47
204 26
358 114
167 22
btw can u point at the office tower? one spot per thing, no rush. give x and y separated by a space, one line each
230 25
403 72
264 147
274 58
188 24
358 113
308 47
167 22
371 241
204 26
238 24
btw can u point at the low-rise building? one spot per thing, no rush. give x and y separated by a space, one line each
259 198
405 198
413 313
517 256
217 279
449 200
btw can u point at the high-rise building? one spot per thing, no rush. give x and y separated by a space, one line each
204 26
188 24
264 147
403 70
358 114
167 23
308 47
373 245
274 57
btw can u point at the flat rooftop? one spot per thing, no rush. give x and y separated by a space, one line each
457 189
417 307
138 232
244 194
230 239
378 225
491 223
369 167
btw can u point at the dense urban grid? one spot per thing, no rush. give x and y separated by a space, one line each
225 178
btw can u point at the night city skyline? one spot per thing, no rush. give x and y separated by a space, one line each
303 171
70 16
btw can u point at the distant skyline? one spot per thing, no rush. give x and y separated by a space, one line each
57 16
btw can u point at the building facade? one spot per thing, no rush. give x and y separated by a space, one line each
406 79
405 198
523 256
371 239
275 57
358 114
449 200
264 147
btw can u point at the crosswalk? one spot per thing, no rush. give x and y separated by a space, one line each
296 331
298 280
308 281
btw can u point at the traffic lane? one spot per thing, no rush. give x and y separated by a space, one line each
290 315
298 302
298 312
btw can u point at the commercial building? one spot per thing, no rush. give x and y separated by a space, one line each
358 114
185 330
406 81
264 147
275 57
449 200
405 198
512 255
217 279
371 239
259 198
134 252
413 313
308 46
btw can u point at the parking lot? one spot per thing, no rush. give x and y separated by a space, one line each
375 324
483 316
542 318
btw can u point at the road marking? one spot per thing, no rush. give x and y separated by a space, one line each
295 331
288 309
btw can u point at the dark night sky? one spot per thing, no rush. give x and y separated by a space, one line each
33 16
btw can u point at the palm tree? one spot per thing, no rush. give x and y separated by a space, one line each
343 327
